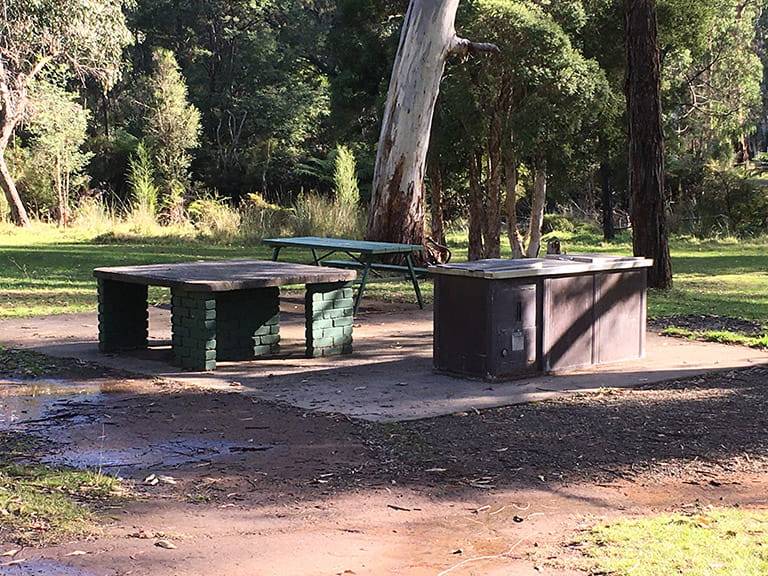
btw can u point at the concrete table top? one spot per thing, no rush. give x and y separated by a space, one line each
224 275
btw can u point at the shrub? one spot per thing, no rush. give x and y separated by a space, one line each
141 179
731 203
557 223
260 219
214 218
345 177
317 215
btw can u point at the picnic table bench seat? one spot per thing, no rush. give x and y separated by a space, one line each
364 255
355 265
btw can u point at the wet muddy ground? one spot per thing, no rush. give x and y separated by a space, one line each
240 485
226 480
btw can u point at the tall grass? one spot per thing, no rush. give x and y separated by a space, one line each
5 210
261 219
142 181
345 185
94 215
317 215
213 218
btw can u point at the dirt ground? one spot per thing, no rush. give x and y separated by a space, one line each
230 484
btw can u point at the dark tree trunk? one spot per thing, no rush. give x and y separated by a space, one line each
435 173
511 178
475 251
492 213
537 208
607 189
646 141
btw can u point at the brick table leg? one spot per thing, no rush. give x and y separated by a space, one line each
329 316
248 323
123 316
193 328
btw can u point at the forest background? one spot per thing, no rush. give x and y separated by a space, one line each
255 118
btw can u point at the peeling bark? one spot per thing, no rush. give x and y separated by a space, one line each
397 200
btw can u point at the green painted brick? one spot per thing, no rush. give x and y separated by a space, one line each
329 330
341 340
340 312
343 321
263 330
200 314
266 349
201 355
332 350
267 339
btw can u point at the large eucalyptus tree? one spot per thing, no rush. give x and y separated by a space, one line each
427 39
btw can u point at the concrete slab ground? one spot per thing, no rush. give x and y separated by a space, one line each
389 377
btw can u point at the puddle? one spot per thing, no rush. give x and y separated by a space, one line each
56 408
27 400
158 455
42 568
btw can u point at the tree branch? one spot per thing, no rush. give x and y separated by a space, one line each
463 47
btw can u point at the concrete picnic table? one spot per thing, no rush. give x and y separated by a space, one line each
364 255
224 309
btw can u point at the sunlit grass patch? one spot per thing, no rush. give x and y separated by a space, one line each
720 336
40 504
727 542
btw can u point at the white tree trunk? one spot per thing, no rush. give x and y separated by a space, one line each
537 210
397 212
427 38
18 212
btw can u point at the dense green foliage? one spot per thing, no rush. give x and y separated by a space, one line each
237 98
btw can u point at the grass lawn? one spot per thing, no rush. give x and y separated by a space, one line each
46 270
727 542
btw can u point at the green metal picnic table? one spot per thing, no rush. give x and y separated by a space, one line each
363 254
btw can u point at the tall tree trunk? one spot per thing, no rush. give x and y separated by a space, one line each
607 193
435 173
511 181
537 209
426 40
492 213
650 236
18 212
475 249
